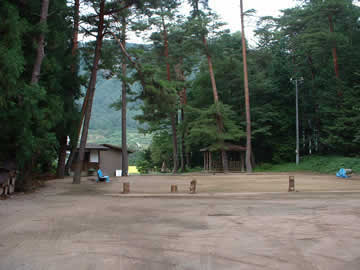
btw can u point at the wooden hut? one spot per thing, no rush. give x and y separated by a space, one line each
235 154
108 157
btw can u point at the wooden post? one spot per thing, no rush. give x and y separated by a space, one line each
291 183
174 189
193 186
126 187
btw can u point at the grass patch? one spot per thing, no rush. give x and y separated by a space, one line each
319 164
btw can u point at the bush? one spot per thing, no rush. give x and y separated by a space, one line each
143 166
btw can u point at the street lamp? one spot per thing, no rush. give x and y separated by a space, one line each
297 151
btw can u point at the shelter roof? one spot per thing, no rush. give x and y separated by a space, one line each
116 147
227 147
92 146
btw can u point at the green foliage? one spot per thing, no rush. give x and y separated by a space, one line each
36 116
161 148
203 128
320 164
143 163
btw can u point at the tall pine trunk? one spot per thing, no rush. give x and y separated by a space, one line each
62 167
183 99
75 38
60 172
219 120
26 175
334 51
247 98
40 54
125 161
172 114
182 154
174 138
91 90
74 147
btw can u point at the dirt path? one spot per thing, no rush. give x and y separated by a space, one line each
63 226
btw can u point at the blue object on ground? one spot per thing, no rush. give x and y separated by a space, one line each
342 173
101 177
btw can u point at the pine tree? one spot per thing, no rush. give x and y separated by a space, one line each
197 17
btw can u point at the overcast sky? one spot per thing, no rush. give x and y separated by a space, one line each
229 10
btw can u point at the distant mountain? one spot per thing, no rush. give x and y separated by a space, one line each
103 116
105 122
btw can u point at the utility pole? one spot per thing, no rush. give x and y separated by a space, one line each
247 99
297 151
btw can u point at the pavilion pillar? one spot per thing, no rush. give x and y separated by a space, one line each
210 162
204 161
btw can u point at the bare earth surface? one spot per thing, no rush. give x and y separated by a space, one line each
235 221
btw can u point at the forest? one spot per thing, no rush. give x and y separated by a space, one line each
192 84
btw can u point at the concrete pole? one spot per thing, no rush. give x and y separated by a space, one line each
297 123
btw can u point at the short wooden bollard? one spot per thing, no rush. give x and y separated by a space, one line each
291 183
174 188
193 186
126 187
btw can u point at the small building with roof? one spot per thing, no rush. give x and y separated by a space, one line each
108 157
235 154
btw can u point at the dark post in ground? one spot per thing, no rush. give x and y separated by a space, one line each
174 188
193 186
126 188
291 183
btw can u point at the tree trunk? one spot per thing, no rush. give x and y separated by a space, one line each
40 44
174 137
60 172
91 90
125 161
74 69
28 166
70 161
310 61
75 40
219 120
27 174
188 163
183 99
173 114
247 99
182 143
334 51
73 150
211 71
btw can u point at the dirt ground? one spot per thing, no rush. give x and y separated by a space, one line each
235 221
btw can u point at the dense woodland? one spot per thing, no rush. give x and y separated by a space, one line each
186 84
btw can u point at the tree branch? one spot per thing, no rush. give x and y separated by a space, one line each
87 31
137 66
112 11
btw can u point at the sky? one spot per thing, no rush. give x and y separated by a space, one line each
229 10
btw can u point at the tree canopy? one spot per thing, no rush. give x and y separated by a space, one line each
185 86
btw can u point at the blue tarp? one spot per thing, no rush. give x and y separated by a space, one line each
342 173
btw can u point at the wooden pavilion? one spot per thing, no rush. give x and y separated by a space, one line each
235 154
